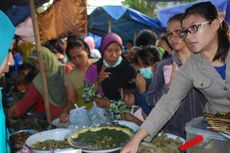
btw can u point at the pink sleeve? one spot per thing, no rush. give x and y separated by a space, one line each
91 74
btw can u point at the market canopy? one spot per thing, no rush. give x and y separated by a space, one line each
18 10
165 13
124 21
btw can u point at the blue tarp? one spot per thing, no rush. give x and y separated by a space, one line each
165 13
125 21
19 10
17 14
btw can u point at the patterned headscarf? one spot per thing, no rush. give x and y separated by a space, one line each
108 39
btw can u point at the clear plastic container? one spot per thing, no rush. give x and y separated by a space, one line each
213 142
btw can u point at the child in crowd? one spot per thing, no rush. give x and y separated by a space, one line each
145 62
126 108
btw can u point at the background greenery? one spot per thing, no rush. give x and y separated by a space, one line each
150 7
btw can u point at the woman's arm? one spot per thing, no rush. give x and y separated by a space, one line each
89 89
71 99
132 118
132 146
20 107
169 103
164 109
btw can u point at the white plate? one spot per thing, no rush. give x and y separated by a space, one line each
30 131
54 134
128 124
174 137
101 151
225 134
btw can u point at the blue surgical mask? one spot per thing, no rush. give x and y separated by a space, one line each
147 72
119 60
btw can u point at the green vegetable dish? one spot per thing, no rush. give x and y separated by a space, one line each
161 144
47 144
100 138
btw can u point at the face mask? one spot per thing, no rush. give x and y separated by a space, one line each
119 60
147 72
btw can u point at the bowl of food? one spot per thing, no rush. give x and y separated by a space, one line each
133 126
50 140
18 138
100 139
162 143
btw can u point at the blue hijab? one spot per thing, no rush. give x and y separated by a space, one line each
7 31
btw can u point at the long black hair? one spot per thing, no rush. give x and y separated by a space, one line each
76 42
176 17
208 11
148 55
145 37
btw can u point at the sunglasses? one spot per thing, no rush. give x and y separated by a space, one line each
193 28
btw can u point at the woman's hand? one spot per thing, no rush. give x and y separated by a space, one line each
140 83
128 117
64 117
133 144
103 75
102 102
131 147
132 118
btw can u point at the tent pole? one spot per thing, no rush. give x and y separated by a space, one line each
40 60
134 37
110 25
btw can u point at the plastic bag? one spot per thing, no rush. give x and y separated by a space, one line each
98 115
79 117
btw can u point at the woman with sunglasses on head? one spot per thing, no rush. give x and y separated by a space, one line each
192 105
207 70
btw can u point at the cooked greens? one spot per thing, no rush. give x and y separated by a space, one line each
161 144
47 144
102 139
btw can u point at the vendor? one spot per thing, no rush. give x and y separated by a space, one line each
207 70
33 98
78 52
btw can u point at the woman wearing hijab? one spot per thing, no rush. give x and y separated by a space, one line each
7 31
105 79
55 83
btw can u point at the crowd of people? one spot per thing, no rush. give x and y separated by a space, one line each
206 69
159 83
